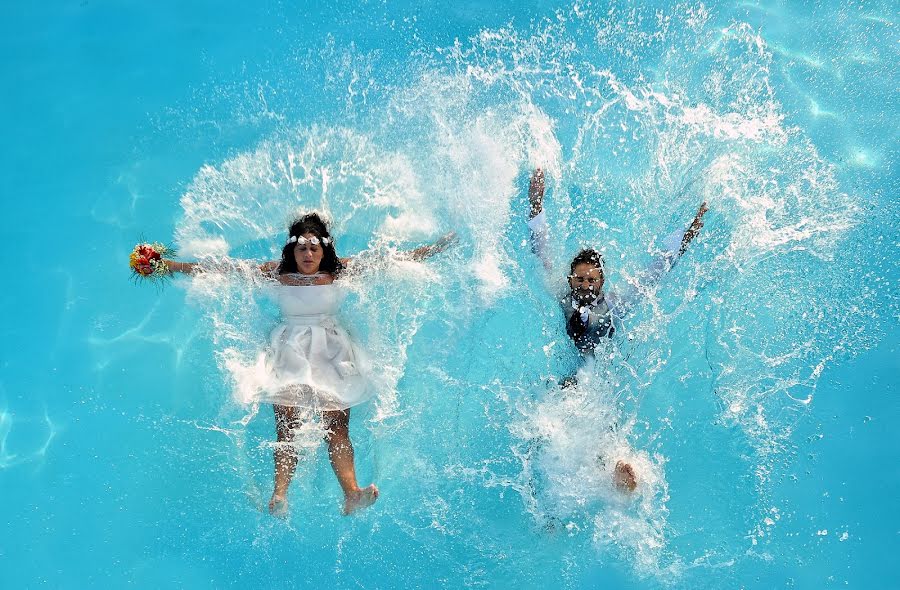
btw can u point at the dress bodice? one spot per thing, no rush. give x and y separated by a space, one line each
312 301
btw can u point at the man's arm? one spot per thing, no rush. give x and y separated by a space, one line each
694 228
536 192
674 246
537 221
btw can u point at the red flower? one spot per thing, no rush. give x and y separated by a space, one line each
147 261
147 251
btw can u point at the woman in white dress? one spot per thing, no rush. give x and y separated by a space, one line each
312 361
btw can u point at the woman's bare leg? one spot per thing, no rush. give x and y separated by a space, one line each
285 457
340 452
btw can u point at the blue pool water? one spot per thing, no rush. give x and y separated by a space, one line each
755 389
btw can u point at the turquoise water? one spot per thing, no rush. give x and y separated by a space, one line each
756 387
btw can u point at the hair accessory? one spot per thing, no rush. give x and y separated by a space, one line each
303 241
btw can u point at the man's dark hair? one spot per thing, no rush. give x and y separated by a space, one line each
587 256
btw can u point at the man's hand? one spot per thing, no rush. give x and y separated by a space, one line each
536 192
694 229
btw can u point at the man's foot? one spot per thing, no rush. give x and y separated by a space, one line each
362 498
624 477
278 506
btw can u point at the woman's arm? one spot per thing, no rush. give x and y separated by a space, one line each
269 268
266 268
423 252
420 253
183 267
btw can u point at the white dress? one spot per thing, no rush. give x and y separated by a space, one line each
312 362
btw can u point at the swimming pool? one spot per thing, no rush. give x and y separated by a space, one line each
756 386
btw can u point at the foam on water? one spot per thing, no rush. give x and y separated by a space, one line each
573 437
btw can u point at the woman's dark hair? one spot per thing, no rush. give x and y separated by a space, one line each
587 256
310 223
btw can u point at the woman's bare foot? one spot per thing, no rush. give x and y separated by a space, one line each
361 498
278 506
624 477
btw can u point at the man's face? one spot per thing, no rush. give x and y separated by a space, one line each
586 282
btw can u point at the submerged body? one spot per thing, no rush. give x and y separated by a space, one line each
312 363
592 314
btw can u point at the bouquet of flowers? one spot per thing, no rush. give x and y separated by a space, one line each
146 261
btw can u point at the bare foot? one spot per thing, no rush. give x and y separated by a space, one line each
362 498
624 477
278 506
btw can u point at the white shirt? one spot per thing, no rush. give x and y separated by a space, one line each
620 304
